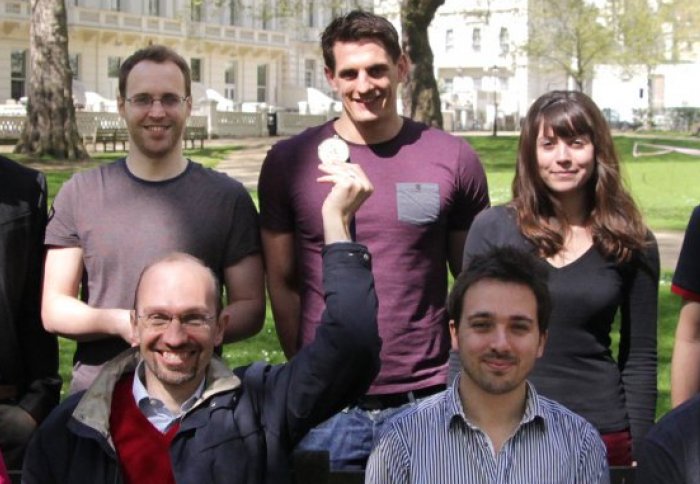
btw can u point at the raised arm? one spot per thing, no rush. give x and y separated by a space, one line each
342 361
245 290
63 313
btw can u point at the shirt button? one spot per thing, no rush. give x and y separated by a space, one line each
212 404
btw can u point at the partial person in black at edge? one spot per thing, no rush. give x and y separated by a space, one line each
29 382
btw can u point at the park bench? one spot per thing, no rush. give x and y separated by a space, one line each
194 134
109 135
314 467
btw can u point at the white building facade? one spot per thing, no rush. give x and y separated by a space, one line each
481 67
252 52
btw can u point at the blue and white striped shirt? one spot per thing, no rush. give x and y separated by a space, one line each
433 442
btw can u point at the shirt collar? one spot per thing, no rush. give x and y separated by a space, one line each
534 410
140 393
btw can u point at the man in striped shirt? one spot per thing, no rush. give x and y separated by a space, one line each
491 426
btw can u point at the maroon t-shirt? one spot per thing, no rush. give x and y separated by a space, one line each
427 184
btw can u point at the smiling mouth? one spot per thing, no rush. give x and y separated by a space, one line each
367 100
157 129
176 358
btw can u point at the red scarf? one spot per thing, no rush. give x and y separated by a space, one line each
142 450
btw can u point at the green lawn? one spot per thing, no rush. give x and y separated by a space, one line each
664 186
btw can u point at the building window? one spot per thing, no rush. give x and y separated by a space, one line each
449 85
504 40
196 11
476 39
477 83
113 64
115 5
232 12
449 40
18 73
74 62
230 75
266 14
310 73
154 8
311 5
262 83
196 69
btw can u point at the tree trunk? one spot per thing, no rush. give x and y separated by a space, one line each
50 128
420 94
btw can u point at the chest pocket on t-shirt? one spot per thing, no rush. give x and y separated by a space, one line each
418 203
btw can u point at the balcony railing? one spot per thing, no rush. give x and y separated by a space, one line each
129 22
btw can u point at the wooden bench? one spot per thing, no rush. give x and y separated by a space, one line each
313 467
111 136
194 134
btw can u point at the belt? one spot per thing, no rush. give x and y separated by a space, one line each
392 400
8 392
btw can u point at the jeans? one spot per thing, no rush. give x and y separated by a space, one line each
350 435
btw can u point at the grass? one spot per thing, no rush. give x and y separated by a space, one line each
664 186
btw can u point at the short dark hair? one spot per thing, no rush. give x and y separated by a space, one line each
503 264
158 54
359 25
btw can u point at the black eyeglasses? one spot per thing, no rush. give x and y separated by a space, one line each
145 101
161 321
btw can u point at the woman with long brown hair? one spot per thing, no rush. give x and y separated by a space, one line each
571 209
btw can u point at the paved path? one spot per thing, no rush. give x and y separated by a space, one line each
244 165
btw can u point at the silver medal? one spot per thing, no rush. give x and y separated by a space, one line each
333 150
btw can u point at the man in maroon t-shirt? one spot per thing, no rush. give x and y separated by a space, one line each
428 188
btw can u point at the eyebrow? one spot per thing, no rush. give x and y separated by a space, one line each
512 317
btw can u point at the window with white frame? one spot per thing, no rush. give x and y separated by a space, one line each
196 10
230 76
232 12
113 64
74 62
310 72
266 15
449 40
18 73
262 83
504 40
196 69
115 5
311 6
476 39
154 8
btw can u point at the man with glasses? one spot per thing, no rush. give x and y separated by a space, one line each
108 223
169 411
